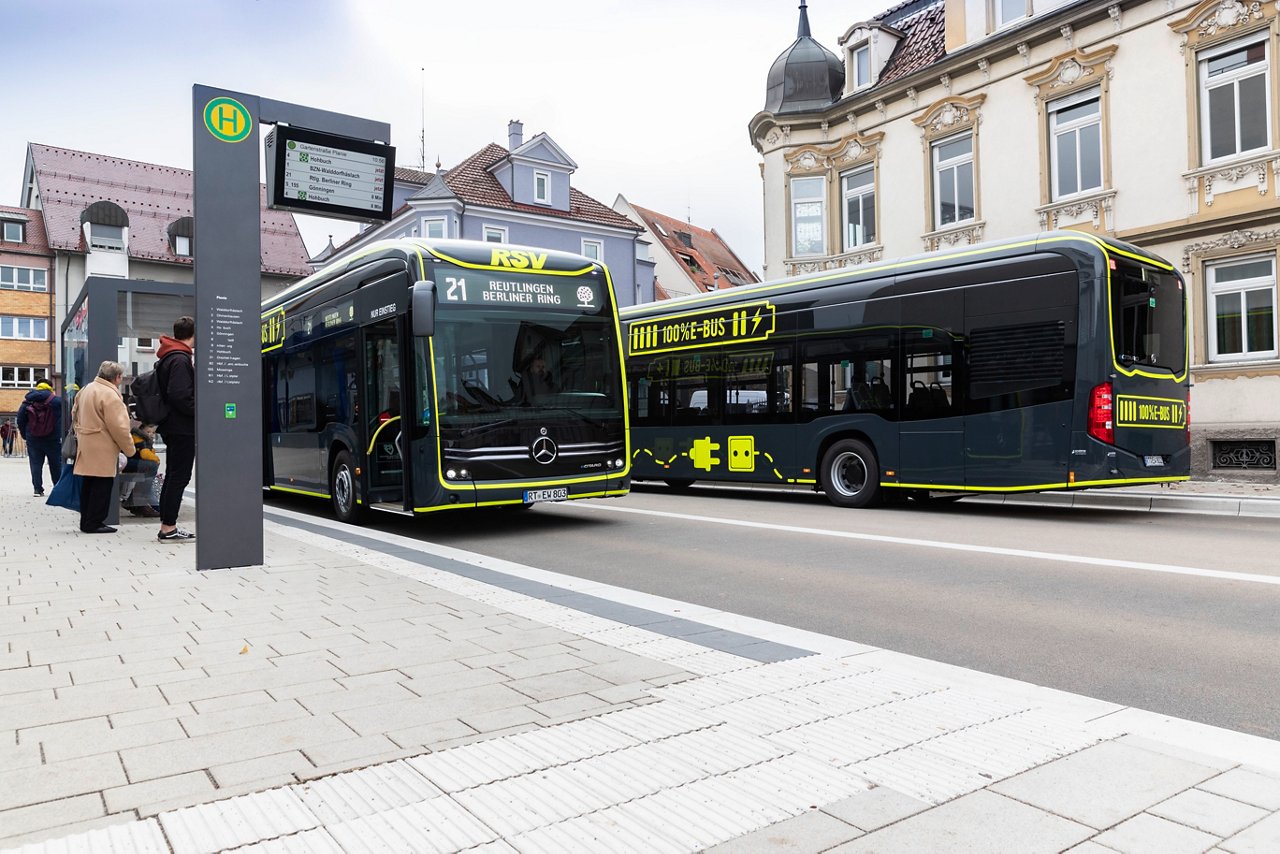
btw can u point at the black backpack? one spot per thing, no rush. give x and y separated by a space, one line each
41 418
149 405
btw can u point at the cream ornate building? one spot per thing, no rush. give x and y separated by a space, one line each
949 122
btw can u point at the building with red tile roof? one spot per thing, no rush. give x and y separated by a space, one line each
521 194
689 259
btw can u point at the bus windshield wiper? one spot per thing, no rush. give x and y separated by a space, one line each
484 428
584 416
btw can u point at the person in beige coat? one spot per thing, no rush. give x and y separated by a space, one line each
101 421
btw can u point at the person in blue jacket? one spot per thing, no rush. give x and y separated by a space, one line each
40 423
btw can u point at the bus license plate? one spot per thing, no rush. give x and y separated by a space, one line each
532 496
1152 461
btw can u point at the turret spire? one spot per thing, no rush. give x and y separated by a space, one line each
803 31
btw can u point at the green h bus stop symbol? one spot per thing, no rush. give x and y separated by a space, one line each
227 119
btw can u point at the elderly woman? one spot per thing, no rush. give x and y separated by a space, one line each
101 422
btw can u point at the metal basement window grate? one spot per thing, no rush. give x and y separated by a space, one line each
1245 454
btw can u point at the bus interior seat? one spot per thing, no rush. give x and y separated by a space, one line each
920 401
859 398
941 402
880 394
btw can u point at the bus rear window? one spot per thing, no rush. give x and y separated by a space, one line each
1147 313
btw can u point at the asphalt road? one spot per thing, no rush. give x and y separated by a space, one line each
1128 617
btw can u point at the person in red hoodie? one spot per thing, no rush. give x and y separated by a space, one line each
176 371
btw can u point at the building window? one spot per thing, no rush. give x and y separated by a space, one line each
1242 309
1075 131
146 343
24 328
13 232
593 249
106 236
1235 99
23 279
859 191
495 234
808 216
953 199
542 188
433 229
1009 11
861 66
182 246
18 377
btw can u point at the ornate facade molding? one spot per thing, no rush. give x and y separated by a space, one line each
968 235
852 150
1262 171
1097 208
1212 18
1074 70
863 255
949 114
1237 239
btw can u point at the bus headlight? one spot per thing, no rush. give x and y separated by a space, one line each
452 474
464 474
618 463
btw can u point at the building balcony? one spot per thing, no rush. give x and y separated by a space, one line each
1097 207
853 258
966 233
1259 170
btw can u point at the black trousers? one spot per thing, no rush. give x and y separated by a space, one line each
42 452
180 456
95 501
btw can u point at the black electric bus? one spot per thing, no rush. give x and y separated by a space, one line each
419 375
1054 361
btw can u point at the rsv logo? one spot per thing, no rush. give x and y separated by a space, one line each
518 260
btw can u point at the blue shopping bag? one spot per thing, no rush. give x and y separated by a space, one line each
66 492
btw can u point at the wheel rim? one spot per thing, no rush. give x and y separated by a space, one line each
343 489
848 474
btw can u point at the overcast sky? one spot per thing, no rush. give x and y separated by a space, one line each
650 97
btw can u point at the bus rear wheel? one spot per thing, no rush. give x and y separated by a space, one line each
678 484
342 488
850 474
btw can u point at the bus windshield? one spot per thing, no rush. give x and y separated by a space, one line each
1147 316
499 367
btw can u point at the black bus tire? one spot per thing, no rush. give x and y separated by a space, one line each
679 484
342 489
850 474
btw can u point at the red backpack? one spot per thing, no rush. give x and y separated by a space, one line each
41 418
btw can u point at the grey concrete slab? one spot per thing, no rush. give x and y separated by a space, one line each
1261 838
37 817
980 823
1214 814
812 831
56 780
1149 834
1248 786
1122 782
446 706
876 808
193 787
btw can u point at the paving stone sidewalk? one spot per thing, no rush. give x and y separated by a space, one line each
367 693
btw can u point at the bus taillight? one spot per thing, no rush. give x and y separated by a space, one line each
1101 407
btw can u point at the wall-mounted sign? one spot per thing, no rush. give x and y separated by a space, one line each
329 175
752 321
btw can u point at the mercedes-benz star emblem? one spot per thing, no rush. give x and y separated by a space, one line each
543 449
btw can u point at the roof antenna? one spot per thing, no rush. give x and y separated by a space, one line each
422 137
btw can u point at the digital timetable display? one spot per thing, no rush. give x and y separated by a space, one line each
323 173
753 321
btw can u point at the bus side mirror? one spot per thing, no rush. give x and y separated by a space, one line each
424 309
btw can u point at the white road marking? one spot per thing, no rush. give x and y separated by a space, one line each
1172 569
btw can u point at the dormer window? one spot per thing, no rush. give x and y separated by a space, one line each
13 232
106 236
861 66
182 246
1008 12
542 188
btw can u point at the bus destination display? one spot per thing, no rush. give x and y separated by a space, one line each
323 173
506 290
746 322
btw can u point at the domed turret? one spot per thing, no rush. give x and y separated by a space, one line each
806 76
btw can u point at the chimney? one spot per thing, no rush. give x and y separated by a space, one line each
515 134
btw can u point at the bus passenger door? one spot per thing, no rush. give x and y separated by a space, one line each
384 450
932 428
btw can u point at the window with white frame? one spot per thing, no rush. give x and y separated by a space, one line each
495 234
24 328
953 198
808 216
1008 11
433 228
861 66
23 279
593 249
182 245
106 236
1242 309
1235 98
1075 133
542 188
14 377
859 192
13 232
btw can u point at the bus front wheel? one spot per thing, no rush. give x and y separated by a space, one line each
850 474
342 488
